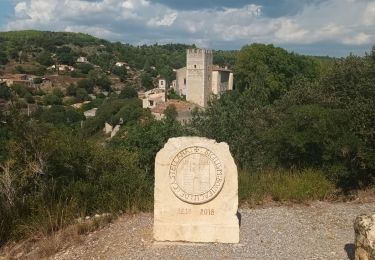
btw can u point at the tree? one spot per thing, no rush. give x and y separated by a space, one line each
58 92
170 113
37 80
87 84
52 100
3 58
146 138
5 92
81 94
20 90
272 71
104 83
85 68
65 55
121 72
29 98
45 59
59 115
128 92
146 81
71 90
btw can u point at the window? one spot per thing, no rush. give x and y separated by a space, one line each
161 82
195 66
184 81
151 102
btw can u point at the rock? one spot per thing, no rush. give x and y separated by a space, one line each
115 130
364 228
107 129
196 192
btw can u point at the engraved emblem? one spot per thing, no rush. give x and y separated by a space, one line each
196 175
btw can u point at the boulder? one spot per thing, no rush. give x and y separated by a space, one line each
364 228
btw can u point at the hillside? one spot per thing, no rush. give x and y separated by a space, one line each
66 47
75 140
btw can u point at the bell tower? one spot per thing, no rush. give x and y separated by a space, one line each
198 76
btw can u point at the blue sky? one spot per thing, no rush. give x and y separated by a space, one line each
317 27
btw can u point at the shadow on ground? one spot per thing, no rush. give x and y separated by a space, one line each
350 250
239 217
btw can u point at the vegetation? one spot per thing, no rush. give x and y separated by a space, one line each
320 121
300 128
284 186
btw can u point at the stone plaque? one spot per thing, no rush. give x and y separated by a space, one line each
196 197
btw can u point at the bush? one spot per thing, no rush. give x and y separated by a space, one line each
81 94
59 115
5 92
52 100
85 68
71 90
37 80
45 59
29 98
20 90
86 84
56 175
128 92
58 92
284 185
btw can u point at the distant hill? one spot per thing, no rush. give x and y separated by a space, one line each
66 47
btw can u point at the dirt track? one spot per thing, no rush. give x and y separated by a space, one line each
319 231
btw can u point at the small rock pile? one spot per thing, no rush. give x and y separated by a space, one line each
364 228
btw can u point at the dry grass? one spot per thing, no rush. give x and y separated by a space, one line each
284 186
44 246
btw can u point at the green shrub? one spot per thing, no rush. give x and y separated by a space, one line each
51 99
284 185
29 98
5 92
38 80
128 92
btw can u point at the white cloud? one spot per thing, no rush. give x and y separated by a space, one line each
345 22
289 31
358 39
369 15
167 20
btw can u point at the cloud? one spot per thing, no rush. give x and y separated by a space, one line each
215 24
167 20
358 39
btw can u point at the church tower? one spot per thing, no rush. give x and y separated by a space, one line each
198 76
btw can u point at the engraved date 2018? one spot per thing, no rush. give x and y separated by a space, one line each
207 212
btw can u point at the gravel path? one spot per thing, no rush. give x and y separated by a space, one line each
319 231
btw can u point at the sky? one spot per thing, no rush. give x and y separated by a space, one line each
314 27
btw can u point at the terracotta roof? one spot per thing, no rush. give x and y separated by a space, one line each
181 106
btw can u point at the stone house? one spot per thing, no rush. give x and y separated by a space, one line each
153 97
19 79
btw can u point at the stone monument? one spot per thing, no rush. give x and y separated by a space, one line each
196 192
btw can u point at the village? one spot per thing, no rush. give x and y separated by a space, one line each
194 85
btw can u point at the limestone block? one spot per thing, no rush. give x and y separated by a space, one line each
364 228
107 129
196 192
115 130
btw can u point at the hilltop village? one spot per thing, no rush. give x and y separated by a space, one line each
79 80
196 83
